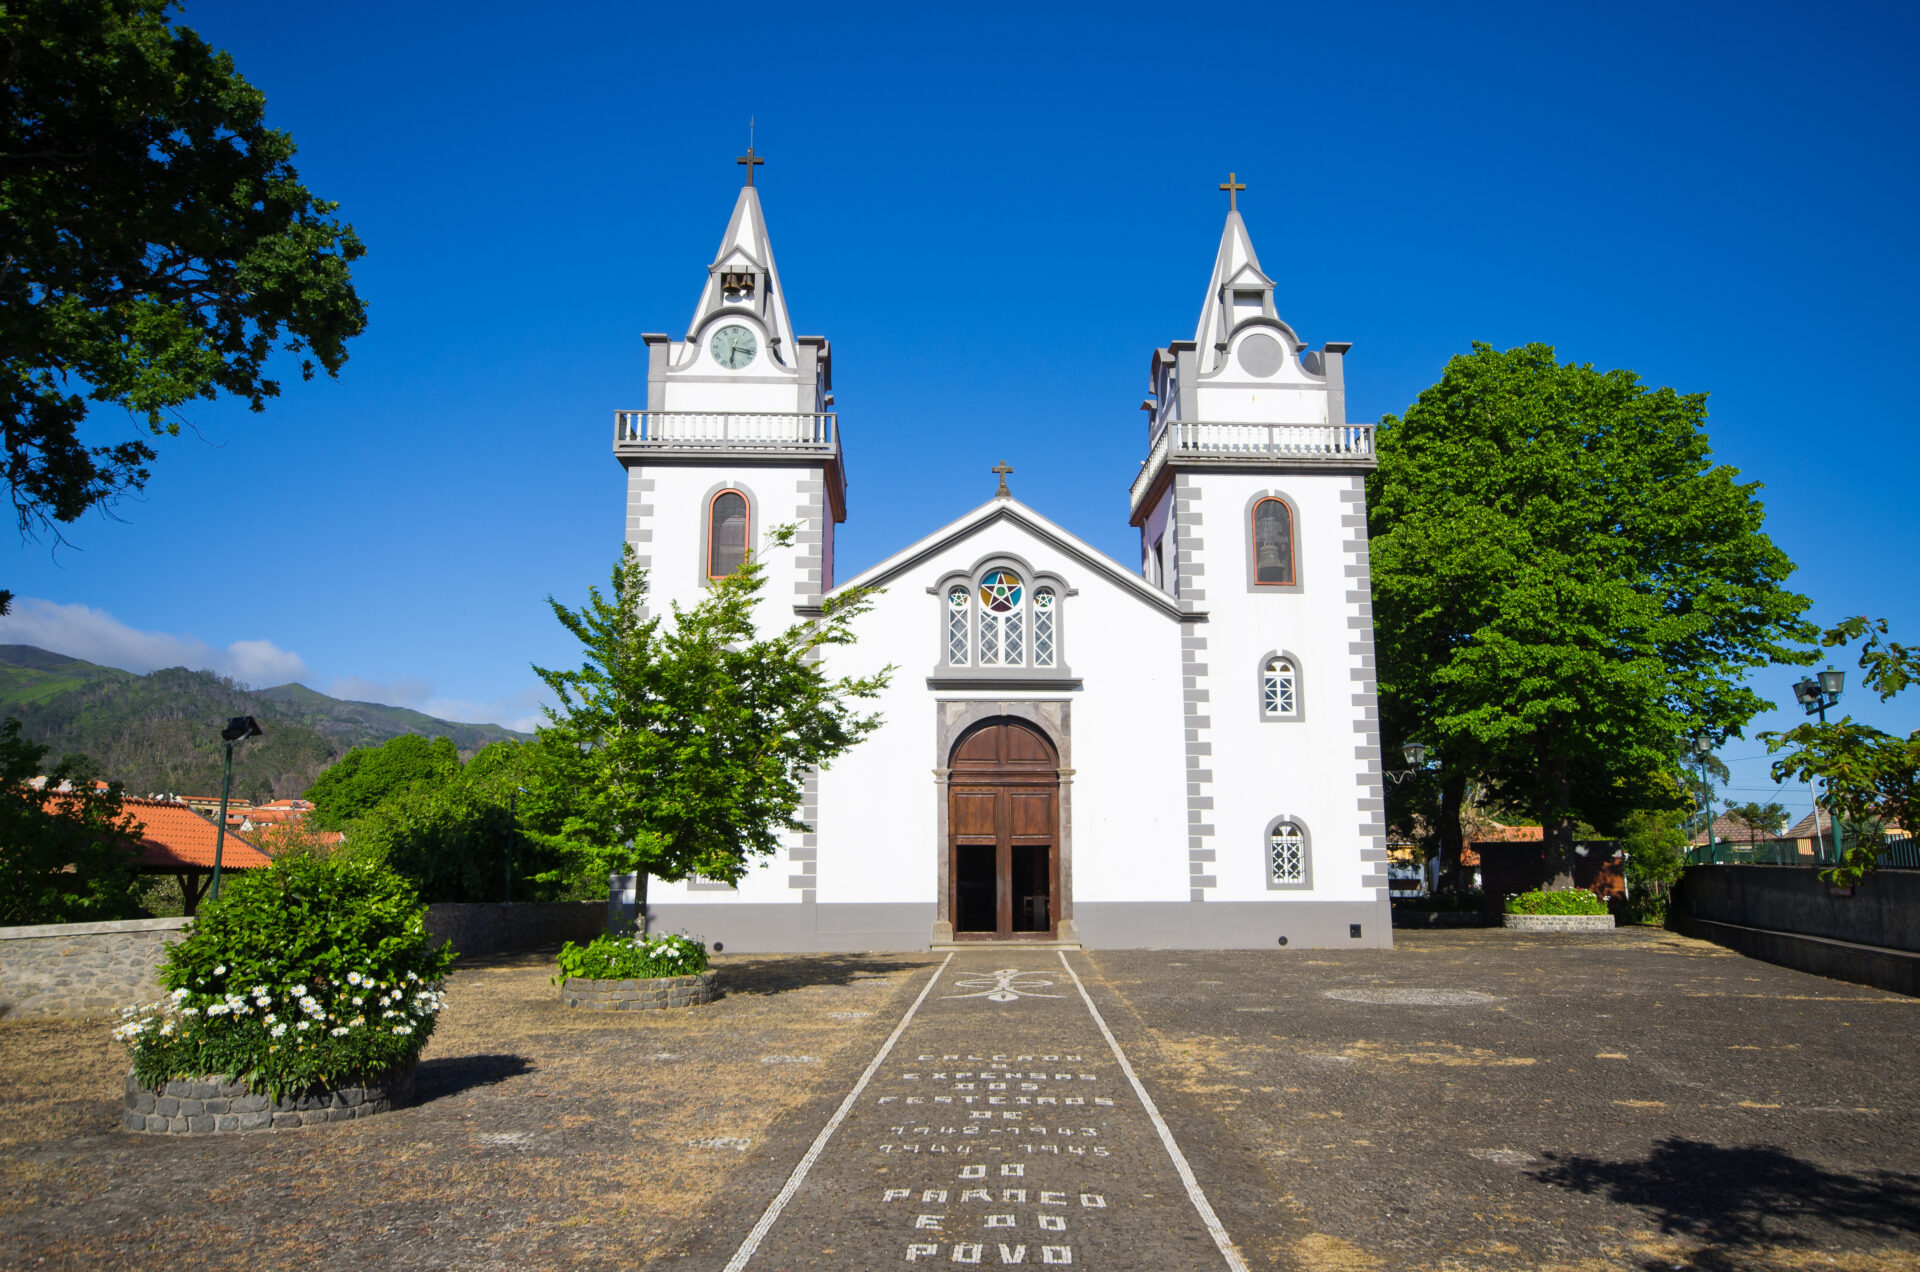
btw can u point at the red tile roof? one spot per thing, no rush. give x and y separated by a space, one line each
174 836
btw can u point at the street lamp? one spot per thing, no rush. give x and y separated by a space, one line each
1815 694
1416 757
238 730
1702 749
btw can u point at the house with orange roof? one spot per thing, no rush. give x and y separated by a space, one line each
178 840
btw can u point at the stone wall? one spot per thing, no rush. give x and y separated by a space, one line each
82 969
1883 910
495 929
655 993
214 1106
1557 922
1789 915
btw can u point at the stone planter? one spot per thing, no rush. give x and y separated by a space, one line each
1557 922
655 993
211 1106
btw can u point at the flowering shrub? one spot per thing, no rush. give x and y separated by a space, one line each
314 972
1563 901
631 958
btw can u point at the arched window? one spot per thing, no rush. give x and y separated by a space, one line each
959 615
1286 855
726 533
1002 621
1279 689
1045 642
1273 543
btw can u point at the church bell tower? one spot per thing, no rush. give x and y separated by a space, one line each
738 433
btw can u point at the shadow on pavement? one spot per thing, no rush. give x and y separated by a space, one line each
443 1076
1748 1196
745 975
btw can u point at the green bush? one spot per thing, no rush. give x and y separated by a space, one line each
1563 901
315 972
631 958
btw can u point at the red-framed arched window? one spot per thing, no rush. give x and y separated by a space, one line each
726 533
1273 543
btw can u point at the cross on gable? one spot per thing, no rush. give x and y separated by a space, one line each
1003 468
1233 188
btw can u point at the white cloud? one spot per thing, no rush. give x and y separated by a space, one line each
80 631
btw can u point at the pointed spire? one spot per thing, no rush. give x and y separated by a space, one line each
1235 268
743 278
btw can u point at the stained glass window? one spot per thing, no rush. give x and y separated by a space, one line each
1278 688
1272 542
1012 651
1000 591
1287 854
957 606
989 639
1044 640
727 534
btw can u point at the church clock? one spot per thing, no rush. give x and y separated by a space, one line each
733 347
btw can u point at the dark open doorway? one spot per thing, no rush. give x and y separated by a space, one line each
1002 818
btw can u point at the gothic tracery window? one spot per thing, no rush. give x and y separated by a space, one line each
1002 621
1272 542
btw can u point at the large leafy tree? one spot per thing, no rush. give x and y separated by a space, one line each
66 845
156 245
680 747
1871 776
367 776
1565 586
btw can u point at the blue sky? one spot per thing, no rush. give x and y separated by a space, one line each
996 213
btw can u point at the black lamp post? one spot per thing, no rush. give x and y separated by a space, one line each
238 730
1815 694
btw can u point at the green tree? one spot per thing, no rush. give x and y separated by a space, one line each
680 748
1871 776
368 776
1565 586
65 856
1767 819
156 245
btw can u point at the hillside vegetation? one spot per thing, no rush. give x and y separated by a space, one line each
161 732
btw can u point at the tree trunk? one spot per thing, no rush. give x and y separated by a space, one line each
1453 790
640 900
1558 821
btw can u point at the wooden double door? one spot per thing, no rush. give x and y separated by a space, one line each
1003 818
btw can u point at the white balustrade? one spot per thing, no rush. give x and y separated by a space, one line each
1308 443
727 429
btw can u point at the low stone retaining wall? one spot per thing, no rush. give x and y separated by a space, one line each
644 994
1557 922
82 969
498 929
1869 934
211 1106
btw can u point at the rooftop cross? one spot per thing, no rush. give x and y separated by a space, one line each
1003 468
1233 189
752 161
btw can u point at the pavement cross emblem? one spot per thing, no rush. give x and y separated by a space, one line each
1007 985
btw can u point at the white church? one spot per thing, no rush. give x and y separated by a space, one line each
1178 752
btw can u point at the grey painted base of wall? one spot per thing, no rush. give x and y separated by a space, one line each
797 928
1176 925
1234 925
1897 971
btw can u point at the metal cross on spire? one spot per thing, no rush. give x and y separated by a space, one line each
1003 468
1233 188
750 159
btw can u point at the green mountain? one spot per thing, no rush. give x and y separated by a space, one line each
161 732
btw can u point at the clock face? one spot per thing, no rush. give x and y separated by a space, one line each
733 347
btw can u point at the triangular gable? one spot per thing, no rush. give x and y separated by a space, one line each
997 510
746 243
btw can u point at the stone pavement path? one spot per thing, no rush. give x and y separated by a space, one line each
999 1126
